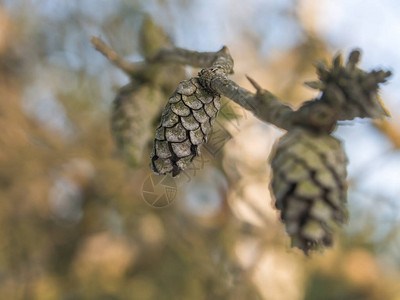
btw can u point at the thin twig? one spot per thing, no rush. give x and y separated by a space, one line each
126 66
187 57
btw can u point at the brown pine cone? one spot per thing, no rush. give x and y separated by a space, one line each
185 123
309 184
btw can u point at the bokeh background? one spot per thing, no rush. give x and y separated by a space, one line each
73 221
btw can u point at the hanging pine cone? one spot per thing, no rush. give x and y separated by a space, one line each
133 113
309 184
185 123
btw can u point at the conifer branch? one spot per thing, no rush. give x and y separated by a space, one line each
346 91
217 66
337 101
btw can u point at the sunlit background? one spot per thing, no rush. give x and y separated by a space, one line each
73 221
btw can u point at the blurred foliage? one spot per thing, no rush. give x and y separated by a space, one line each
73 223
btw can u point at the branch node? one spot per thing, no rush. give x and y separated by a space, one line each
258 88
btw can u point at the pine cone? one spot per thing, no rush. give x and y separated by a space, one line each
133 113
185 123
309 184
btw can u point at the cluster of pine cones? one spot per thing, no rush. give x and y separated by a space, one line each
308 163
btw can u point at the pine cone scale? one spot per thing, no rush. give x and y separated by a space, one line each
162 149
190 123
192 102
180 109
196 136
169 119
200 115
176 133
160 133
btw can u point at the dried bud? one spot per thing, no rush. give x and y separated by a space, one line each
185 123
360 88
309 184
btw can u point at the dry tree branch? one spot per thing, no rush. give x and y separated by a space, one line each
357 98
218 65
346 91
126 66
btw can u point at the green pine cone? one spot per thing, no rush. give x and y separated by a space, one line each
309 185
185 123
133 113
